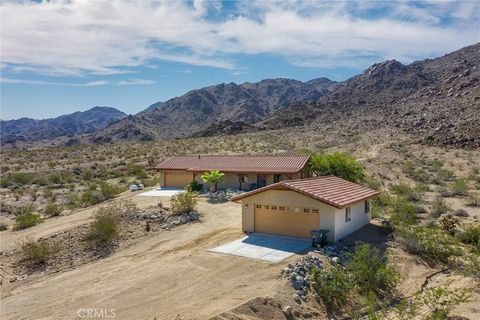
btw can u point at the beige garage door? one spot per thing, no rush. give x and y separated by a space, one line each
177 179
288 221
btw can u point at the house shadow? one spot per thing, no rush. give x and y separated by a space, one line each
282 243
373 234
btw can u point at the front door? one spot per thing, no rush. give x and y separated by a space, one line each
260 180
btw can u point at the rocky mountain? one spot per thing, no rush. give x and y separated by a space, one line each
27 129
437 101
183 116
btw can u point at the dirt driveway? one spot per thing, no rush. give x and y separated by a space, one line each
169 275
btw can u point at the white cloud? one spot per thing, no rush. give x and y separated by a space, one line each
111 37
82 84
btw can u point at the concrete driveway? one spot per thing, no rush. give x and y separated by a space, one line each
265 247
160 192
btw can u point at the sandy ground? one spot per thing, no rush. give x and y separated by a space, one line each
169 276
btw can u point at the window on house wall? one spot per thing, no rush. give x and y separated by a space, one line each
277 178
367 206
302 175
315 210
243 179
274 207
348 214
281 208
258 206
306 210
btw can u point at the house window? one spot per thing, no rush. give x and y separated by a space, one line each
306 210
315 210
277 178
302 175
274 207
243 179
367 206
348 214
281 208
258 206
267 207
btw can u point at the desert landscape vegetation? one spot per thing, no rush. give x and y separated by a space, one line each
77 242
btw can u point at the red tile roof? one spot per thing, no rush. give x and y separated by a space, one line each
239 164
332 190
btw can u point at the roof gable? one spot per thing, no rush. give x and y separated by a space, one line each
332 190
240 164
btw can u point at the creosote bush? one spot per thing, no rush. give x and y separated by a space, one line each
367 272
183 202
439 207
36 252
449 223
337 164
431 243
26 221
53 209
105 227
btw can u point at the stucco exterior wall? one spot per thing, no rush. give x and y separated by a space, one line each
287 198
359 219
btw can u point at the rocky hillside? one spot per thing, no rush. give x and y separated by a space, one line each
247 103
27 129
437 101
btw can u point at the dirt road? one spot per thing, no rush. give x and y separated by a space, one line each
168 276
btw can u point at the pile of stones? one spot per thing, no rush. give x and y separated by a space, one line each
176 220
298 272
336 253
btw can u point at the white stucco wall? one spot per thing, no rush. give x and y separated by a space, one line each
359 219
287 198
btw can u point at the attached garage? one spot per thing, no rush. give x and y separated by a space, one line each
286 220
296 207
177 178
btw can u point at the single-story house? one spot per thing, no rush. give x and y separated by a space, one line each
242 172
296 207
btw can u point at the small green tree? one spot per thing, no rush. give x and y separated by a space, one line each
337 164
213 177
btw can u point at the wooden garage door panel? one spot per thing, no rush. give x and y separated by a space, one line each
289 223
177 179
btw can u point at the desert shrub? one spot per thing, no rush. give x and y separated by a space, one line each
183 202
441 300
53 209
35 252
151 182
18 178
22 209
459 187
3 226
109 191
470 234
194 186
55 178
137 170
333 286
470 264
405 190
444 175
439 207
26 221
337 164
380 204
89 197
449 223
431 243
104 228
40 181
369 270
372 183
72 200
403 212
473 201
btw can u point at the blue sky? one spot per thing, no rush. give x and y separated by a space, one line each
58 57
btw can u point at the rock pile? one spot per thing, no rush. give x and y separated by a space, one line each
298 272
176 220
336 253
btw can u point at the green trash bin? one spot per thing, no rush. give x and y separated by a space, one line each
324 237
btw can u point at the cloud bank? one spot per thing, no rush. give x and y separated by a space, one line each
72 38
